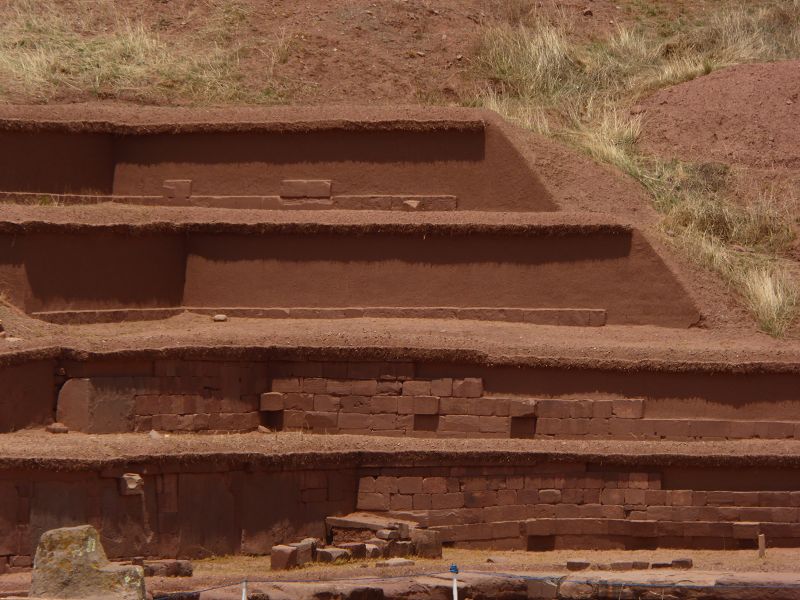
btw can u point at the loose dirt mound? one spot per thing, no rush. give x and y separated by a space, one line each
746 115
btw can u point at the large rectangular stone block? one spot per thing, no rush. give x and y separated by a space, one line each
98 405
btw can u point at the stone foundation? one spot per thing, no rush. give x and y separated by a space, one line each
574 506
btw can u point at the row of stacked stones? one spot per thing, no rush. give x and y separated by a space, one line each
397 541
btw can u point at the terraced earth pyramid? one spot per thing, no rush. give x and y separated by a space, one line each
482 363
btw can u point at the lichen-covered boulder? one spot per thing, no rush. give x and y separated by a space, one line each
70 563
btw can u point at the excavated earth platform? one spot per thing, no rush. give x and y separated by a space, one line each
477 361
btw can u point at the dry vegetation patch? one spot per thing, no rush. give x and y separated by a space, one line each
51 49
585 93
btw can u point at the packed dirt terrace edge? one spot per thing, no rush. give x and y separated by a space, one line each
354 226
144 119
14 357
608 453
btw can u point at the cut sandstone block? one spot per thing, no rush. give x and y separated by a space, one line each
271 401
471 387
131 484
329 555
97 405
628 408
356 549
542 589
305 188
578 564
283 557
177 189
426 405
305 550
427 543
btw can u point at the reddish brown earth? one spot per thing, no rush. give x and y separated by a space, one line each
745 115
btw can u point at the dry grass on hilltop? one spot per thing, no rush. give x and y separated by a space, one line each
585 93
50 49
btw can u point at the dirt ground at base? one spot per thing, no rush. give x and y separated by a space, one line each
40 447
232 570
777 560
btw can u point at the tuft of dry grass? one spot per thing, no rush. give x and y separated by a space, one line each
771 296
764 225
584 93
47 46
767 286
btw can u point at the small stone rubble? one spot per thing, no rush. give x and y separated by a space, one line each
165 568
394 543
581 564
57 428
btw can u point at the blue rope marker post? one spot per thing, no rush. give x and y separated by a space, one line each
454 571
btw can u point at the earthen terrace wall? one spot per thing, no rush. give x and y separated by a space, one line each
50 267
469 157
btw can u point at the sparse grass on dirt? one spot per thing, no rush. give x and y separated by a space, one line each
257 567
51 48
585 93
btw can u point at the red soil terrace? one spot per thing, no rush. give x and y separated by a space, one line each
404 285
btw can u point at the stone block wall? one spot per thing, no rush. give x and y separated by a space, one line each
553 506
210 509
626 419
448 407
166 395
378 398
392 405
213 505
